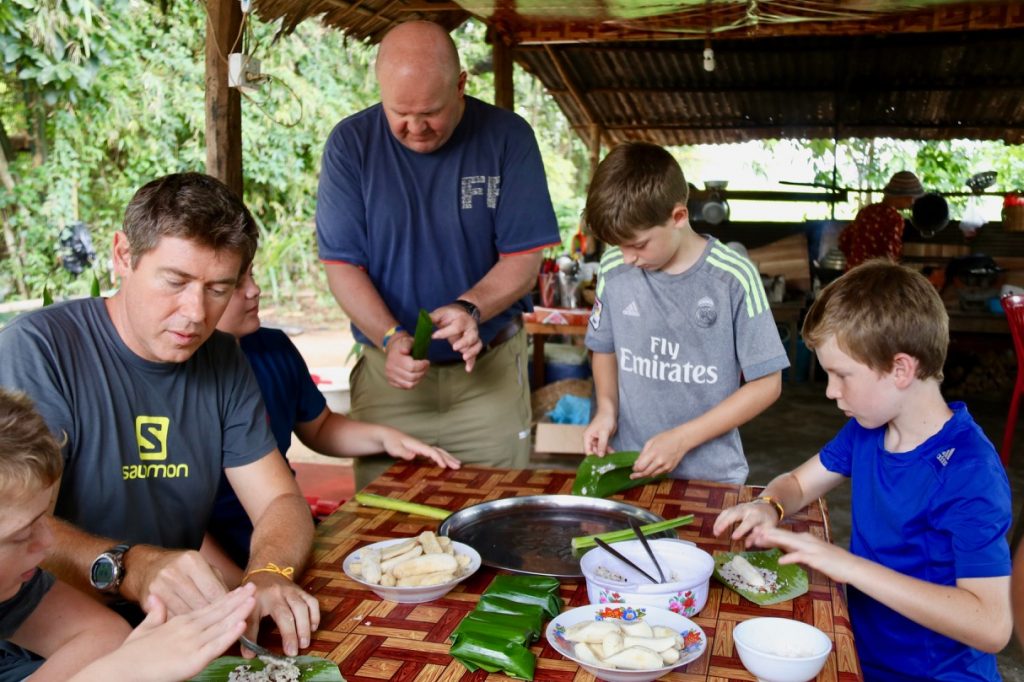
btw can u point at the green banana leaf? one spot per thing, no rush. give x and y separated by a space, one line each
311 669
604 476
421 339
791 580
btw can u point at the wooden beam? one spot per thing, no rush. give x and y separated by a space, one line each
504 90
571 86
223 104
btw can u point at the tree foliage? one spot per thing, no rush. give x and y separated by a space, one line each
110 94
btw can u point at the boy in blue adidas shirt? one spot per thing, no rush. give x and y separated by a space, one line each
685 348
928 571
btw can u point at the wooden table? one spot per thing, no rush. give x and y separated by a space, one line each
376 640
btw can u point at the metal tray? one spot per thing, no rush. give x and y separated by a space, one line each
534 534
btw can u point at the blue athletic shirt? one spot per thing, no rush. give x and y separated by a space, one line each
938 513
291 398
428 227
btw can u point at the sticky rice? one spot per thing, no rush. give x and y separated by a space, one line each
274 670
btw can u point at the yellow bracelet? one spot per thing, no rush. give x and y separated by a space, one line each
768 499
388 334
287 571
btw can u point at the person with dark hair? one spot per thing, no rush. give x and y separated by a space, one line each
685 345
877 231
927 574
151 404
434 200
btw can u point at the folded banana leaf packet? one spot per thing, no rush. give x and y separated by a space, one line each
503 626
524 583
494 655
511 588
608 475
495 604
506 620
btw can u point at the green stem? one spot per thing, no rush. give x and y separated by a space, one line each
371 500
587 541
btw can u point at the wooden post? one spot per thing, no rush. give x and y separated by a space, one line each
595 147
504 92
223 104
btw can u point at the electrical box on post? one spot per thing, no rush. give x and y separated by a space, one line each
243 72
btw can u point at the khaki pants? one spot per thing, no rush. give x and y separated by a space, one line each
482 417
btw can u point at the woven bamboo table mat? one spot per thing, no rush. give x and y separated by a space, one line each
374 640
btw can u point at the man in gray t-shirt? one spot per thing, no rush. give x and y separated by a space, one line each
150 404
685 345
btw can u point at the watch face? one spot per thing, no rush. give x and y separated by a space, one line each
102 573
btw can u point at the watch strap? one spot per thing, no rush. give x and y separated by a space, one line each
469 307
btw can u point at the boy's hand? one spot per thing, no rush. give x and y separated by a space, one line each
811 551
750 516
598 433
401 446
179 648
400 369
660 455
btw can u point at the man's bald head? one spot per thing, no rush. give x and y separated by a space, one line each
418 49
421 85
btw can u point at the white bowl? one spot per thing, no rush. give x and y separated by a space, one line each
687 567
696 640
780 649
413 595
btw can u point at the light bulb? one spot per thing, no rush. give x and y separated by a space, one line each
709 59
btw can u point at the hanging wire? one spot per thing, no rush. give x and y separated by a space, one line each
213 34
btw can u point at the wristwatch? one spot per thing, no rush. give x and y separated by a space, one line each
107 570
470 308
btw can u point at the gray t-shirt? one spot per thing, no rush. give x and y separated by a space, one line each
17 609
682 343
145 442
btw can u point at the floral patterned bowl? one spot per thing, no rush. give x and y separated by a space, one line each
693 638
687 568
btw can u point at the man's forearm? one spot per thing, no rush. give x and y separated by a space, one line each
73 552
510 279
358 297
283 535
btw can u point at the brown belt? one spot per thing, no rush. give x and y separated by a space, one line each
504 334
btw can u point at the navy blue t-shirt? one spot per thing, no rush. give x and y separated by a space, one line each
938 513
428 227
291 398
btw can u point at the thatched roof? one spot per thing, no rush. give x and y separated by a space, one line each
634 69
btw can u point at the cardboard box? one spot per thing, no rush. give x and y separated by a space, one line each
559 438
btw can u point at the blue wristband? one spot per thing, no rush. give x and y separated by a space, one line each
388 334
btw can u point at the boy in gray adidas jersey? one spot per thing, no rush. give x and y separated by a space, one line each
685 345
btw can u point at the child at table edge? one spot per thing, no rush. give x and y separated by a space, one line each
928 569
685 347
82 640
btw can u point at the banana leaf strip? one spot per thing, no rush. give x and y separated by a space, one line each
421 338
608 475
518 629
494 655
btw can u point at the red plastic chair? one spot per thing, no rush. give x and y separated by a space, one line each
1014 307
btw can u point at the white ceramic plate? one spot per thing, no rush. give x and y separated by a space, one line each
695 639
413 595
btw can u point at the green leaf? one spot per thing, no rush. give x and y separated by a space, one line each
94 291
311 669
791 578
604 476
421 339
47 296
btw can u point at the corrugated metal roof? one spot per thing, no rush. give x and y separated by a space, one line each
930 69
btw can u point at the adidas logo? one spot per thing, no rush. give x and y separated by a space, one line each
944 456
631 310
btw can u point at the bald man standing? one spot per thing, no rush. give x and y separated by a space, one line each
435 200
